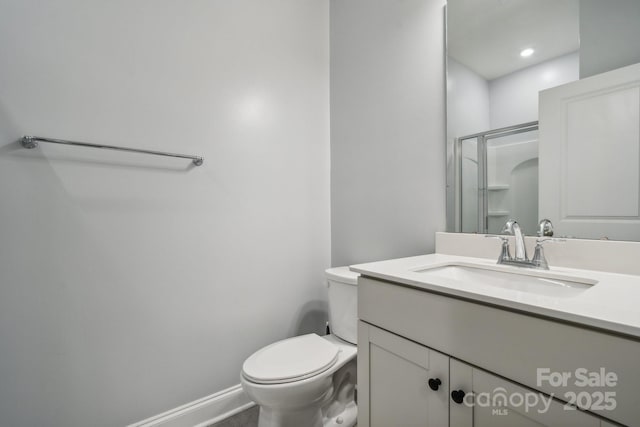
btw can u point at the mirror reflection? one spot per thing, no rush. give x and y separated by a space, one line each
501 54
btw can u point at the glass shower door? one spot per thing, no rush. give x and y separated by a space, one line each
498 179
469 186
512 181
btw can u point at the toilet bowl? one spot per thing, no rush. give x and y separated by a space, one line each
310 380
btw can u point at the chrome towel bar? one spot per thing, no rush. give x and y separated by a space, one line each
32 142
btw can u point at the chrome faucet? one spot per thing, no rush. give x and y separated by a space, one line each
511 227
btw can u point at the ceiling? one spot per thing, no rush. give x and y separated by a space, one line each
488 35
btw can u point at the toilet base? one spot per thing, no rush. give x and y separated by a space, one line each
311 417
336 408
347 418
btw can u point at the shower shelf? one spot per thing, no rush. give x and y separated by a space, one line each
498 187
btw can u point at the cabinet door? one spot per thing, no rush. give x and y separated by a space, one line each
496 402
394 387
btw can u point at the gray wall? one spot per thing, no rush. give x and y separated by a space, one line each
514 97
131 284
468 97
387 128
609 35
467 113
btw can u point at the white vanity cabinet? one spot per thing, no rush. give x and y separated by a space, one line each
502 403
402 383
408 336
406 384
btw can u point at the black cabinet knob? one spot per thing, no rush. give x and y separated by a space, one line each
434 383
457 396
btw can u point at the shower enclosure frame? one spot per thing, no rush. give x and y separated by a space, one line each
483 190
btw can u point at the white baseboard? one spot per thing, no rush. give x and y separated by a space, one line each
202 412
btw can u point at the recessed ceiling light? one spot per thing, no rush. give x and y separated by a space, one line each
527 52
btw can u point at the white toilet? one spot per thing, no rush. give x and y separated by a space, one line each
309 380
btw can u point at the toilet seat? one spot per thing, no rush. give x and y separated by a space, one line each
290 360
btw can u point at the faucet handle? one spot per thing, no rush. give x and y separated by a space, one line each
498 236
505 252
539 260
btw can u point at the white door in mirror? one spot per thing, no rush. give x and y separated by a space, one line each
589 170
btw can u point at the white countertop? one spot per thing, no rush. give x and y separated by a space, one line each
613 304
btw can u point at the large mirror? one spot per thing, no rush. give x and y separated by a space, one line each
500 55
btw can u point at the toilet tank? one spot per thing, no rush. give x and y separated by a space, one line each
343 303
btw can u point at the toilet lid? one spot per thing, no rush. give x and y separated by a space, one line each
290 360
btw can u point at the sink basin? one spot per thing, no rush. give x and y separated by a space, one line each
530 281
